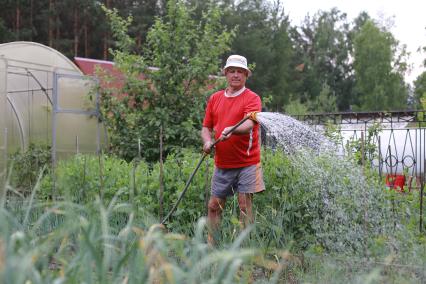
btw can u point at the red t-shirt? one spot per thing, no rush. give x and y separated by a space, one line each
221 111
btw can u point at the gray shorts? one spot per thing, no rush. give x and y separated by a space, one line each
226 182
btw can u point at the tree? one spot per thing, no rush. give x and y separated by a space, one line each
252 38
5 34
420 91
263 37
323 47
281 64
168 104
325 102
143 13
379 77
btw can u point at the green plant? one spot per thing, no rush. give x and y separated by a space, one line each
84 243
333 132
165 104
319 218
366 147
83 178
305 198
27 166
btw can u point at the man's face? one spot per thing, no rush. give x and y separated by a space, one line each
236 77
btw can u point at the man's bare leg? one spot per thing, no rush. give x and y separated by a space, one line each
246 208
215 208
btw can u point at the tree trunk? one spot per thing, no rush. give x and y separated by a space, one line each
58 28
105 53
76 31
106 34
139 41
86 45
17 19
161 177
31 19
50 28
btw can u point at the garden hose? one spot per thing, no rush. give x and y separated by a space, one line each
252 116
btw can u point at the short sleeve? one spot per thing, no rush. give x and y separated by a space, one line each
254 104
208 116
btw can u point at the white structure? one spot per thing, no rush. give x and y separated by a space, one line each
44 99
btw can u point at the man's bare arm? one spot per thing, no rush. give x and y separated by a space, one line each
244 128
206 136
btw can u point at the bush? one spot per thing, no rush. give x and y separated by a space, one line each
311 201
83 178
27 166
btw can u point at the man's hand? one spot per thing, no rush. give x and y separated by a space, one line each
225 131
207 147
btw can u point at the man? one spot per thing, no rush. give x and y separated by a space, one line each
237 156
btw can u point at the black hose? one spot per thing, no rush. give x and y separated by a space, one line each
185 189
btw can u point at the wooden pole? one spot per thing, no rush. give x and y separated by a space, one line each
207 186
161 209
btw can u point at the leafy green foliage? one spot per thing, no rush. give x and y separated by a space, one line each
27 166
86 244
5 34
379 75
84 178
263 36
367 147
165 102
325 102
420 91
319 218
308 202
293 61
323 46
295 107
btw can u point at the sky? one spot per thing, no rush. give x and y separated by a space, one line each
409 17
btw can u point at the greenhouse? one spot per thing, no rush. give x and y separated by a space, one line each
44 100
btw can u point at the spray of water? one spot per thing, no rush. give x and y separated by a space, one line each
344 208
282 131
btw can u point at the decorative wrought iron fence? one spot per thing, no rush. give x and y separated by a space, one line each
397 149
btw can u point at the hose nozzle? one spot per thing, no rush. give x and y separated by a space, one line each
252 115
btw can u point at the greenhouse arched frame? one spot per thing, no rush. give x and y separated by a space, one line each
44 99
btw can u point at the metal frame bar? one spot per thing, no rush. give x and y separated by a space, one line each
410 149
363 117
56 109
18 119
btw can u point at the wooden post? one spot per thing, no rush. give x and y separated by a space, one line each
101 176
5 169
5 154
207 186
380 157
365 221
77 146
391 181
362 151
422 184
132 191
139 149
161 210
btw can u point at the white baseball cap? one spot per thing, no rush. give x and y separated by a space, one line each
237 61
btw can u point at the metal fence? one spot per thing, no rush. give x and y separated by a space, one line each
3 128
396 149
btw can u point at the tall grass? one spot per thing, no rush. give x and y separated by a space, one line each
298 235
65 242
